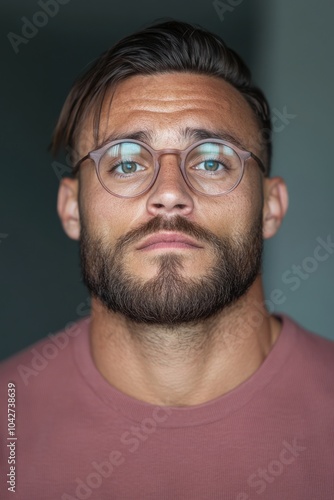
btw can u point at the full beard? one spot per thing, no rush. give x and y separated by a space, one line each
170 299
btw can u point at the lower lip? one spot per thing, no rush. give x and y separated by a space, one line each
172 244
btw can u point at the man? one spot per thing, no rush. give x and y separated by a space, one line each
180 385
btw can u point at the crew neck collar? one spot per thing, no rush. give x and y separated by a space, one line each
136 411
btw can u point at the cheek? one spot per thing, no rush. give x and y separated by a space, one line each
104 214
234 213
251 201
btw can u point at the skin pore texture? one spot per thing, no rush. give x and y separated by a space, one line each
186 363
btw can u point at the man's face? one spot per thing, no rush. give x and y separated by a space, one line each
171 283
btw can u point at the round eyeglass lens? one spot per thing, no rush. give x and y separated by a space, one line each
126 168
213 168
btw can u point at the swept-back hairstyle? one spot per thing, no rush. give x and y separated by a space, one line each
166 47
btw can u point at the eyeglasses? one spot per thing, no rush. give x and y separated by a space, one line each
129 168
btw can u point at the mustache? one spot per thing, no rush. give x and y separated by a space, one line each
176 223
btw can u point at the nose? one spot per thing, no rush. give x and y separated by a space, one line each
170 195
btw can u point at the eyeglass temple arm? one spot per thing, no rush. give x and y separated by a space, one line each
259 162
78 164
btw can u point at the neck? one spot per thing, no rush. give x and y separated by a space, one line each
184 365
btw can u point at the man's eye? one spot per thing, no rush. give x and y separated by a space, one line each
210 166
128 167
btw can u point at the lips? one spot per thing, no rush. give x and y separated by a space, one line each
168 239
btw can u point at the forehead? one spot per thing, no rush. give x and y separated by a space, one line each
163 106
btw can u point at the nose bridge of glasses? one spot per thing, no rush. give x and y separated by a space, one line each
176 155
167 152
168 157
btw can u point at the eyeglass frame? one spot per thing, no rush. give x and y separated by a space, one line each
97 154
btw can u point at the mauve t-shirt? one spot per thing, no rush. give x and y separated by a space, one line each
77 437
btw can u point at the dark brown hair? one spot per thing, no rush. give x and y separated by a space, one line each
170 46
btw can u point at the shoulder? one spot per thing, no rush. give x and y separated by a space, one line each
48 357
309 342
311 356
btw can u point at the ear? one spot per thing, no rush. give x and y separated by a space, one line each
68 208
275 205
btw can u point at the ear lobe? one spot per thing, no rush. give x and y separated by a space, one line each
67 207
275 205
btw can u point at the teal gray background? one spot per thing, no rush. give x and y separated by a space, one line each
289 47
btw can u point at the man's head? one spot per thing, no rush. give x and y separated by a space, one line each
168 87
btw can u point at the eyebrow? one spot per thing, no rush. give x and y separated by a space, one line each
198 134
195 134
